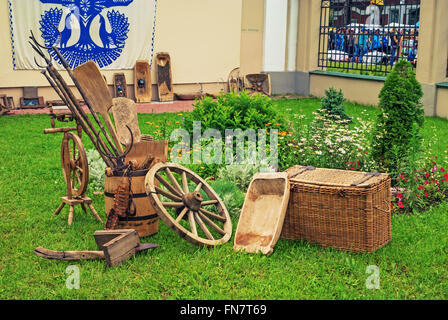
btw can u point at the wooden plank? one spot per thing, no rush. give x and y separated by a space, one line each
97 92
125 114
141 150
120 85
104 236
121 248
142 82
164 77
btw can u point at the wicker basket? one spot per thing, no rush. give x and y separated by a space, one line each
341 209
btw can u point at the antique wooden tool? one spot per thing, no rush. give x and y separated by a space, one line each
263 213
125 116
164 77
259 82
76 174
120 86
235 82
142 82
92 82
57 82
191 208
75 167
116 247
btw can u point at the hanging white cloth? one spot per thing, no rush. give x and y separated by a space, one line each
113 33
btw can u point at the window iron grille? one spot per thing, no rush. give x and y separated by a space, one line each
369 36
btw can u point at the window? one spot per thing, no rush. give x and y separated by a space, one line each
368 36
394 16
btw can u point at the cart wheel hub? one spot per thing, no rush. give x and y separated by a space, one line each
193 200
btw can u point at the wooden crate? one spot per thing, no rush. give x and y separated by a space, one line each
341 209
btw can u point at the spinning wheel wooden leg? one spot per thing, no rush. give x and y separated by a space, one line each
58 210
94 212
70 216
83 208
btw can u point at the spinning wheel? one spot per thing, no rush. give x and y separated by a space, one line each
74 165
234 81
188 205
76 174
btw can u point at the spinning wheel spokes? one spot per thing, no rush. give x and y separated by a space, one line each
74 164
188 205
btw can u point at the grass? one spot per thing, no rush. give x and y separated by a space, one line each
413 266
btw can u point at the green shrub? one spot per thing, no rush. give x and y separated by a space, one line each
396 134
240 174
333 104
97 169
233 111
230 194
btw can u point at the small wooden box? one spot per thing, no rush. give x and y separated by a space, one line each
346 210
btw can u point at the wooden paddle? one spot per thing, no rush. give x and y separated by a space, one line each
97 92
125 115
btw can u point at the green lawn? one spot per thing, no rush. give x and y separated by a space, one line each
413 266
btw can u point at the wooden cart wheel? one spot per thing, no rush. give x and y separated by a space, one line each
188 205
74 164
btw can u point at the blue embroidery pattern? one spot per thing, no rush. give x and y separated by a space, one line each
85 12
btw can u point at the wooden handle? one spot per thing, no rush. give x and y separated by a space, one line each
57 130
68 255
112 131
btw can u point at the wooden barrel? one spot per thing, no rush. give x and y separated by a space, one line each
146 220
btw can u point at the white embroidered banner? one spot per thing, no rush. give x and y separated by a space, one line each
113 33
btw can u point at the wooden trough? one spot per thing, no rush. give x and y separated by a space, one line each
263 213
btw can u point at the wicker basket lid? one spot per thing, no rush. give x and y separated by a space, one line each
333 177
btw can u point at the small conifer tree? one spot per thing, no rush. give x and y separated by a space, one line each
333 104
396 134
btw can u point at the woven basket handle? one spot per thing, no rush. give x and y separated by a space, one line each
368 176
302 170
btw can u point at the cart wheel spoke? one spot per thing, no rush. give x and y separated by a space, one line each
173 180
192 222
182 214
212 215
167 185
185 182
202 226
198 187
173 204
209 202
211 224
168 195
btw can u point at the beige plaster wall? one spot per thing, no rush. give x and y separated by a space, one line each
252 26
203 38
355 90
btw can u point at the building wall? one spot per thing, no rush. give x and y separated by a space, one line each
252 26
431 68
442 102
363 91
203 38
